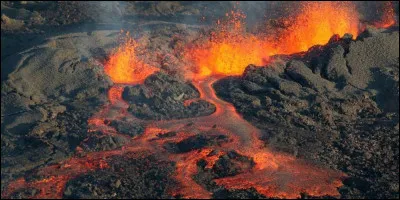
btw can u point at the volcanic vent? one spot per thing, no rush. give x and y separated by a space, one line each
182 100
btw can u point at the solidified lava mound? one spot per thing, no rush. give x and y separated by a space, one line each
163 97
199 100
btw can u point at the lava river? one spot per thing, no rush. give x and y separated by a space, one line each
274 175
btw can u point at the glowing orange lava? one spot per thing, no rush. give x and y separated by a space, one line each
115 94
283 176
316 23
56 176
186 167
125 67
274 175
388 17
231 49
115 110
228 51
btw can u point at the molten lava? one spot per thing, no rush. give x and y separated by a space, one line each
315 25
282 176
231 49
125 67
388 16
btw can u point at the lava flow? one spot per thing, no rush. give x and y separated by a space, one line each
229 51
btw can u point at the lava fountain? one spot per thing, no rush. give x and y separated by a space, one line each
230 48
124 66
315 24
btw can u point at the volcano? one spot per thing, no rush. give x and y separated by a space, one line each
200 100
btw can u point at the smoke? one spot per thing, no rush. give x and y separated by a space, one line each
114 13
374 10
259 13
146 15
97 15
155 19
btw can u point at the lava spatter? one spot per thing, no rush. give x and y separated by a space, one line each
315 24
388 17
230 48
124 66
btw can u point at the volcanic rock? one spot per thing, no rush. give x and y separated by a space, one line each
48 93
229 164
128 128
11 24
24 193
337 105
380 51
128 177
195 142
103 143
305 77
163 97
336 69
232 164
26 149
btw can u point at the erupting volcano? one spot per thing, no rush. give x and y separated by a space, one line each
200 122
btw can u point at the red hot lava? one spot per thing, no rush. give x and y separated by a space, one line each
388 18
230 48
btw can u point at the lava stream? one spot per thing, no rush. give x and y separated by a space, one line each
275 175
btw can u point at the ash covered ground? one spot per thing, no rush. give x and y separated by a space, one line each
336 105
